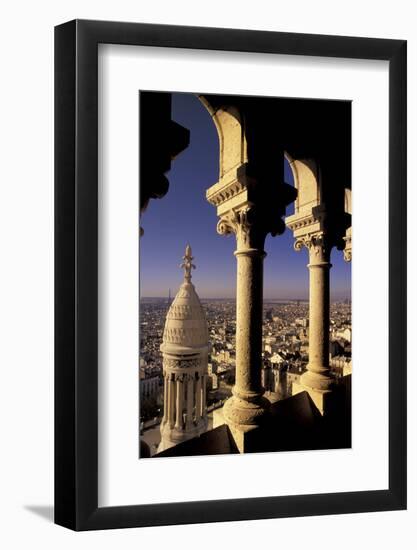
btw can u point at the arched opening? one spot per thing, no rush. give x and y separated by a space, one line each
232 176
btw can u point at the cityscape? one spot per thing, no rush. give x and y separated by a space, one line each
284 353
254 355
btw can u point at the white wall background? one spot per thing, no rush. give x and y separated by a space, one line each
26 272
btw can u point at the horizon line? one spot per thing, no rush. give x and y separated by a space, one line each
234 298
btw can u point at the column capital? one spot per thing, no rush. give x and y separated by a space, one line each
250 224
318 245
347 252
314 230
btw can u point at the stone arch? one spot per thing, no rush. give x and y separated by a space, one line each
251 161
307 182
230 126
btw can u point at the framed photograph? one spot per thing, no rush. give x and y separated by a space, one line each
230 253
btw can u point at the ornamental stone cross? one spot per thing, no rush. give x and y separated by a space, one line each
187 264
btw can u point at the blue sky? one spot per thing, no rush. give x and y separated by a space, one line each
184 215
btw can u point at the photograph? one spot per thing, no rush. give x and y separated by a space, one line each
245 314
208 221
209 184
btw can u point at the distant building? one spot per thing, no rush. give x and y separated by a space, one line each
294 373
276 359
213 377
347 334
273 381
185 361
223 356
341 365
149 386
335 348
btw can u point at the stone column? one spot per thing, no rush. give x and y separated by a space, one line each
318 229
165 418
249 295
171 400
179 405
250 199
247 408
318 376
190 401
198 399
203 395
317 379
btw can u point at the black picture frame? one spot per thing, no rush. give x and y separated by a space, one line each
76 270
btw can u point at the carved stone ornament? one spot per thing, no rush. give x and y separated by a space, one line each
319 246
187 264
347 253
250 224
177 364
316 244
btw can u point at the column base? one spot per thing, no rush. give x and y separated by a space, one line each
173 436
218 418
317 381
243 417
321 394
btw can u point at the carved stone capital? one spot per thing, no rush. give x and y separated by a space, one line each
250 224
318 231
347 255
318 246
347 252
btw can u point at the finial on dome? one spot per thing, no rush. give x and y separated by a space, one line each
187 264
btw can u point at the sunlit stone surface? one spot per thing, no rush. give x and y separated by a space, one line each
185 359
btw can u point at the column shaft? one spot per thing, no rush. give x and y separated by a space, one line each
190 402
171 402
317 377
179 405
198 399
319 318
249 322
203 396
165 418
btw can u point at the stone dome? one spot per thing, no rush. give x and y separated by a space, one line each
186 325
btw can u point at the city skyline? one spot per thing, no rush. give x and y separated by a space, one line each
285 344
188 217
